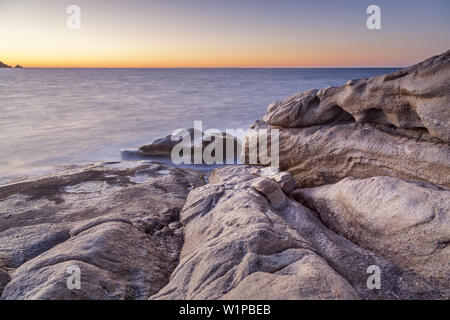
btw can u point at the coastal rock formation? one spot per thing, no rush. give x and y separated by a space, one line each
2 65
416 97
363 184
238 246
326 154
407 222
192 139
392 125
109 220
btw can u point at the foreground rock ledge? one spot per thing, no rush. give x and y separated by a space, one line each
238 246
116 222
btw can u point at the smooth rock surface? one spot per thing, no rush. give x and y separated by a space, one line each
105 219
237 246
411 98
406 222
272 191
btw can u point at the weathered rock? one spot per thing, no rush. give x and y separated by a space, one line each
326 154
286 181
111 220
4 279
3 65
194 140
411 98
110 269
237 246
308 277
406 222
272 191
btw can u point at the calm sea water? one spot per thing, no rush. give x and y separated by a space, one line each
50 117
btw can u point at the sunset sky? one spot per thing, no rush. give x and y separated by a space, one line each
226 33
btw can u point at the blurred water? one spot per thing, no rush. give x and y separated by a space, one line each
51 117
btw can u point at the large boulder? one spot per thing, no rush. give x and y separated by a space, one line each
406 222
238 246
391 125
110 220
416 97
326 154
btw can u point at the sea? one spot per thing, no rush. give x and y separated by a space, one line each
53 118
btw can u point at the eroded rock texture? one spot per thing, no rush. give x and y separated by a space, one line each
109 220
365 184
238 246
392 125
411 98
407 222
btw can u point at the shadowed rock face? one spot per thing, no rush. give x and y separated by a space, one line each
110 220
411 98
237 245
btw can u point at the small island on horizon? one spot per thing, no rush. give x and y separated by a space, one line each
3 65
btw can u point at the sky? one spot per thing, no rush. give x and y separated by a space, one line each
222 33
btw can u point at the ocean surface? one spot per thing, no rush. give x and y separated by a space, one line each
56 117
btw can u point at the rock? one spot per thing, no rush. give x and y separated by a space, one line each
310 277
175 225
286 181
196 140
18 66
2 65
411 98
406 222
236 246
4 279
110 269
108 219
271 190
303 110
326 154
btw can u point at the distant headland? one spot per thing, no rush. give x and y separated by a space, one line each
2 65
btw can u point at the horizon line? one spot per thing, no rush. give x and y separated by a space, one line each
213 67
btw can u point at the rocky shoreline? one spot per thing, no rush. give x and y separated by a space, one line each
363 183
3 65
